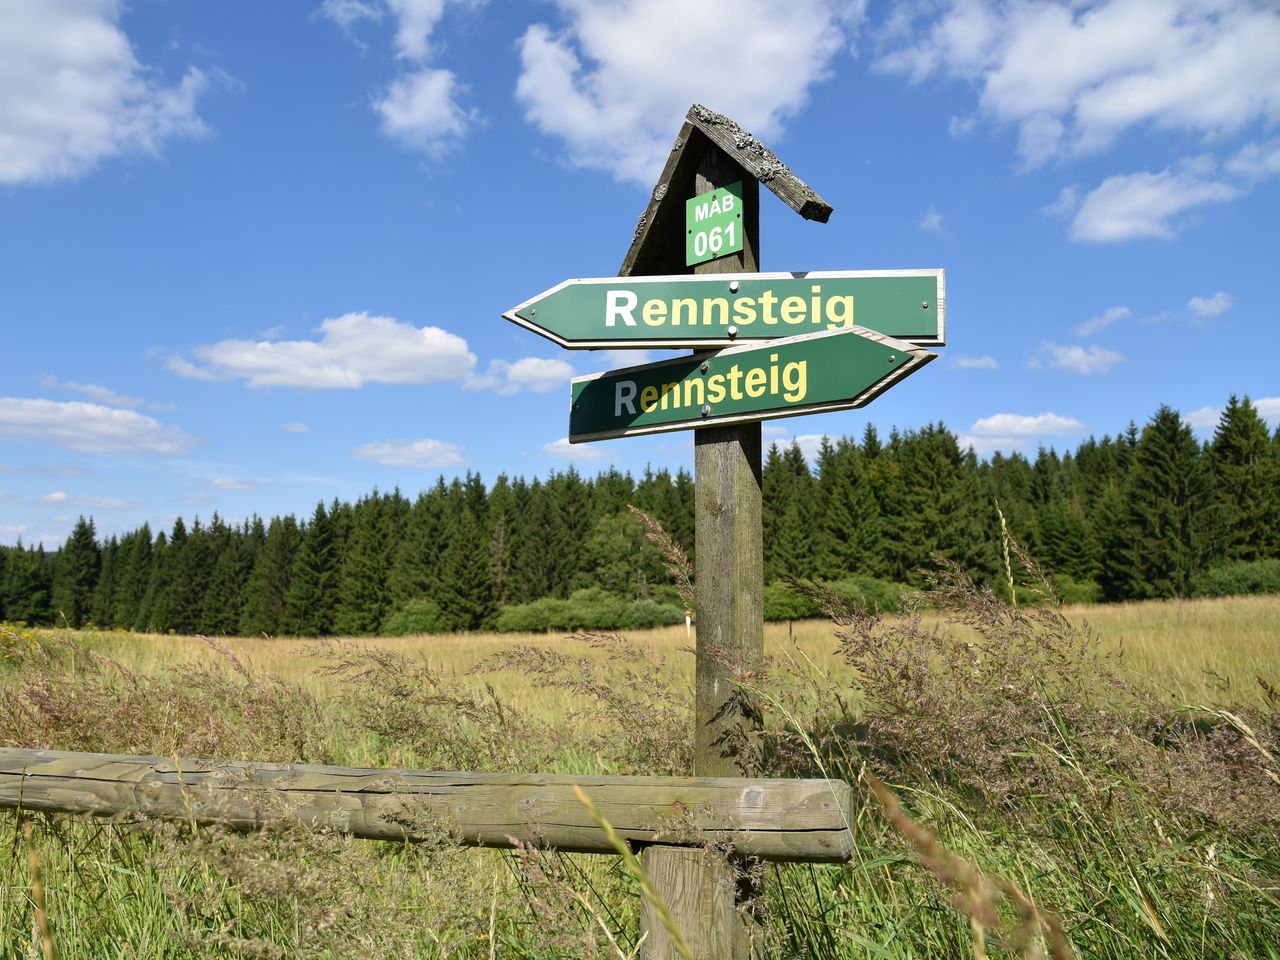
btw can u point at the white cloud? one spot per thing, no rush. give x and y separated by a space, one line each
932 223
1204 417
346 13
233 484
295 427
977 363
1021 425
105 503
1076 359
98 394
1005 431
562 449
1066 204
421 110
1268 409
810 444
57 496
1256 161
13 529
1074 76
609 359
411 453
89 427
528 373
353 349
421 107
616 80
1103 320
1213 306
1136 205
72 93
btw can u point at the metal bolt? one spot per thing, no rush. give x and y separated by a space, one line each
533 313
577 407
924 304
705 366
892 358
733 332
706 410
733 286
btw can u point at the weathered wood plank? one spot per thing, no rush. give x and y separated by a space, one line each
787 820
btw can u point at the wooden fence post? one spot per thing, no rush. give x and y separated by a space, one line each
704 892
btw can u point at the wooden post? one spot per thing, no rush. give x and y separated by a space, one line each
705 893
728 539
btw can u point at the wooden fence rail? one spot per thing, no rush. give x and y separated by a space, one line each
784 820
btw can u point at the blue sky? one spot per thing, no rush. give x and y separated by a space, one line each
254 255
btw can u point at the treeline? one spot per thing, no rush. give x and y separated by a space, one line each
1145 514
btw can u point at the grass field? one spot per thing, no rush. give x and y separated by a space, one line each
1189 651
1137 797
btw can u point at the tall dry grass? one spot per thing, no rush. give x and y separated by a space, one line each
1022 746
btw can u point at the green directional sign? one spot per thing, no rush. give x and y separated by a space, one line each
713 224
832 370
722 309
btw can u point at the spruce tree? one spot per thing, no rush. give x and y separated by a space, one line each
466 590
533 564
76 574
1244 483
153 615
1065 544
27 586
775 495
222 608
363 589
268 584
850 521
312 600
134 575
1114 529
571 504
415 567
795 553
193 568
102 608
504 523
1168 493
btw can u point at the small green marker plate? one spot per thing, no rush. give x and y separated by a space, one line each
713 224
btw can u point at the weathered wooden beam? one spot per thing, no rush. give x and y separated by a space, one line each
653 250
786 820
759 161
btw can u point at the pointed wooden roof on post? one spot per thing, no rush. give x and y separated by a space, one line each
657 247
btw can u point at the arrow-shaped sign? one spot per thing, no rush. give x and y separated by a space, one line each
719 309
833 370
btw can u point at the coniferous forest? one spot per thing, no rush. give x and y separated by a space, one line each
1151 513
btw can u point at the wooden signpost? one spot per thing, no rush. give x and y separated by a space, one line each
837 370
715 311
785 344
